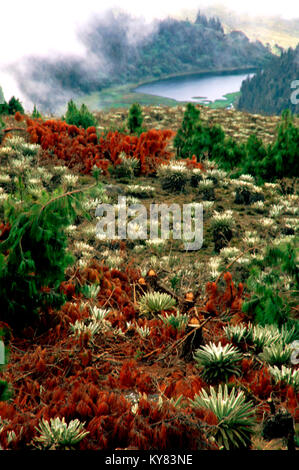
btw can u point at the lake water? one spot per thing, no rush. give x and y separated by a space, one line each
196 87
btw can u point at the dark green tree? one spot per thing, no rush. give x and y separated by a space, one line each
135 118
282 159
270 303
35 113
15 105
34 256
184 139
79 117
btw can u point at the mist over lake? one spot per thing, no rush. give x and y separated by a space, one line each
196 87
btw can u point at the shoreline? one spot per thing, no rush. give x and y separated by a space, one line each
205 72
124 95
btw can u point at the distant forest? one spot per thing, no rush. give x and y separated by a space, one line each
269 91
121 49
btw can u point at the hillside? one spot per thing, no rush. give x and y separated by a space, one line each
121 50
271 30
269 91
136 344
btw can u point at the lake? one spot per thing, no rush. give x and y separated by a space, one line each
201 87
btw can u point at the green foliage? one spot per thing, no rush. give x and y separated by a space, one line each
282 158
5 391
184 139
12 106
255 153
270 303
178 321
269 90
235 416
135 119
4 108
2 126
205 141
35 113
34 257
2 99
79 117
196 138
218 362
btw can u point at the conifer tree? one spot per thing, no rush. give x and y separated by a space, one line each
135 118
34 256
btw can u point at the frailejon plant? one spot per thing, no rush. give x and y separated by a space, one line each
22 147
236 333
235 416
286 375
174 182
90 291
57 434
263 336
277 354
79 328
218 362
34 256
178 321
222 225
127 168
155 302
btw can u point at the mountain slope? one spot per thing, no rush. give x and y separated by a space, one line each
123 50
269 91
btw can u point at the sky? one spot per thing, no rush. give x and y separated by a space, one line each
51 27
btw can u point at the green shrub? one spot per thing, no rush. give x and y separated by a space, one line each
135 119
270 303
266 163
2 126
34 257
79 117
5 391
35 113
184 139
15 105
282 158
